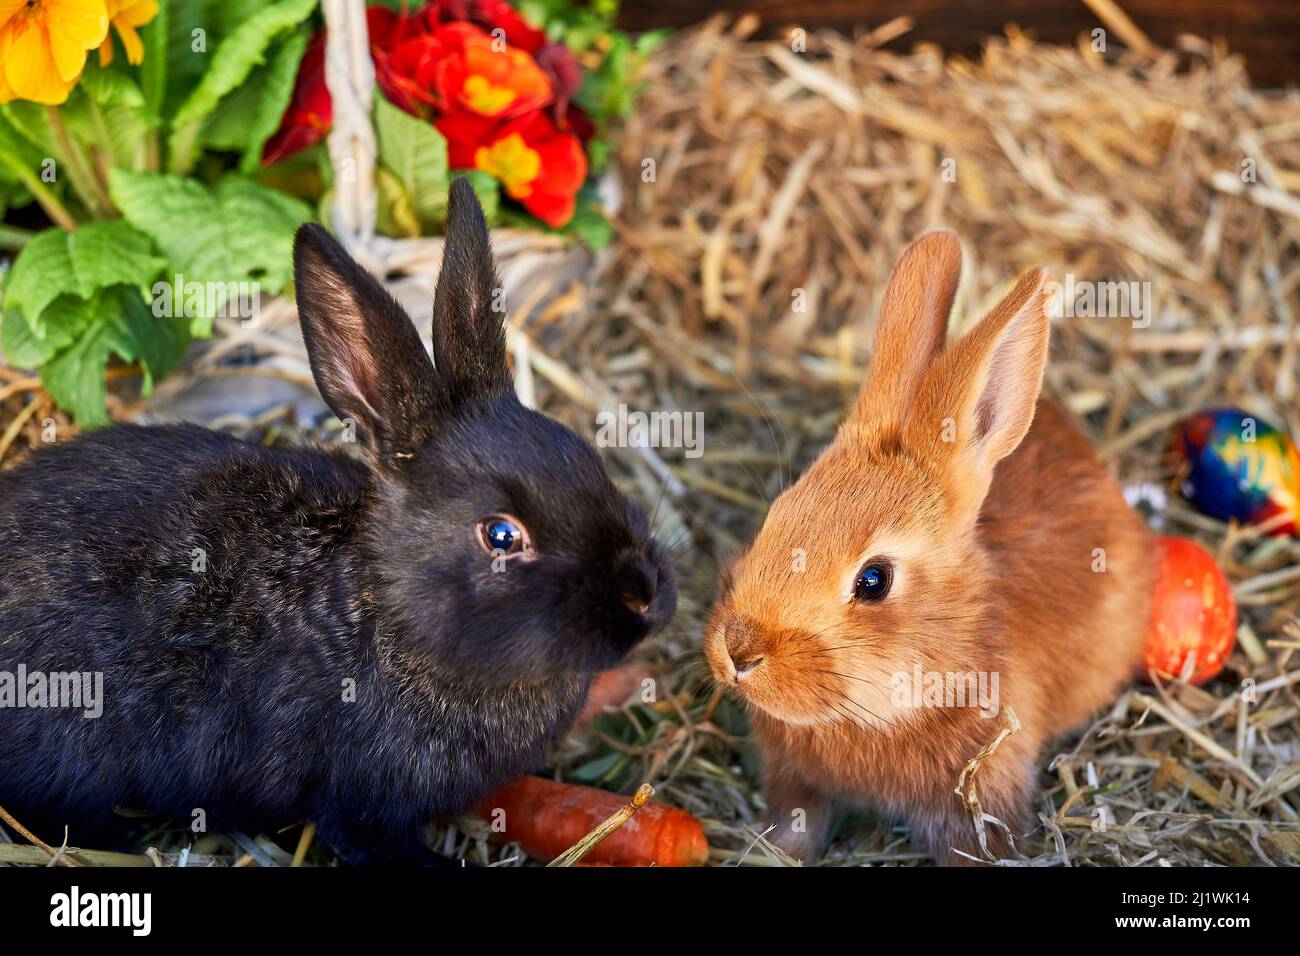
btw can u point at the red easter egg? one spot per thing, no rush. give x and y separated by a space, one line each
1192 612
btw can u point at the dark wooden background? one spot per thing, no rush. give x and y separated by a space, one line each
1265 32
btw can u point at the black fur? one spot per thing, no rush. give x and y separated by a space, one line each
224 689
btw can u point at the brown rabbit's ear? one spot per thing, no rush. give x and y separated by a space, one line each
978 399
365 354
910 332
469 343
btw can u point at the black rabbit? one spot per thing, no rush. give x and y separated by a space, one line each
291 635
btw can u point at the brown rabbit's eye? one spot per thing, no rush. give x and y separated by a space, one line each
873 581
502 534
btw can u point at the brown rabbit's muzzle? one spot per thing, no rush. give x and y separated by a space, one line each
734 647
769 669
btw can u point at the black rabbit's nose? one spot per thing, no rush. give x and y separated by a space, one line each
635 604
640 590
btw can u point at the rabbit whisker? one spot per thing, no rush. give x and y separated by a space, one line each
764 410
752 473
847 677
853 703
824 650
855 722
658 501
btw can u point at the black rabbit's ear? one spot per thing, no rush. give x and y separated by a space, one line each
469 344
366 356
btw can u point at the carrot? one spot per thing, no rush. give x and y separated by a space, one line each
546 818
611 689
575 854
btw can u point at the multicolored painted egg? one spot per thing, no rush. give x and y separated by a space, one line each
1240 468
1193 614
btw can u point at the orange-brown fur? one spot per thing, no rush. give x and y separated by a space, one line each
994 535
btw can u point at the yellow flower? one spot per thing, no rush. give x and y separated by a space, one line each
510 160
482 97
43 46
126 16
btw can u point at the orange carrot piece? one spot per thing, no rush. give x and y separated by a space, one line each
546 818
611 689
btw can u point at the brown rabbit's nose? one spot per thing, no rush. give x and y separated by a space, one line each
635 604
742 647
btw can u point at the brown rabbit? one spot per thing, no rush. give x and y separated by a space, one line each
939 542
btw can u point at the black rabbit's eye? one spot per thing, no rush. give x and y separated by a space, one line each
502 534
873 582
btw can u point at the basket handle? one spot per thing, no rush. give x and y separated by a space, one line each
350 78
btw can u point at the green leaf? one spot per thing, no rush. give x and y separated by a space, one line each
589 224
97 255
13 195
416 153
69 316
276 92
84 333
25 128
241 231
153 71
394 215
234 59
184 29
41 273
227 15
594 769
107 111
22 349
75 377
138 335
20 165
105 253
109 87
226 127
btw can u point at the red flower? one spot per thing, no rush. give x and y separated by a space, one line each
310 114
538 164
479 74
577 122
504 107
561 66
491 15
388 27
406 59
465 132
